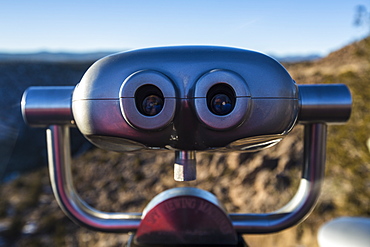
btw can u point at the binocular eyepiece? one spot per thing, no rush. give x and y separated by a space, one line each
220 99
186 99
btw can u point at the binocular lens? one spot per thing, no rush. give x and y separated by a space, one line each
152 105
221 104
149 100
221 99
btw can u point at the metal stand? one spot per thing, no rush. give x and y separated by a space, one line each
293 213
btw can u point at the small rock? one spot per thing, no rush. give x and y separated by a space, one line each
30 228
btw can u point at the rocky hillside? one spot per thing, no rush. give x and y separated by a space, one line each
348 157
258 182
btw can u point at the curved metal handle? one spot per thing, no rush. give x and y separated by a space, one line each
306 197
66 195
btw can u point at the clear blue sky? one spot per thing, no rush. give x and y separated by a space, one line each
278 27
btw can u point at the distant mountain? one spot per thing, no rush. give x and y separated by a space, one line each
353 59
54 57
297 58
93 56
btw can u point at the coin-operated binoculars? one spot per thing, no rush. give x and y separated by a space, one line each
186 100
